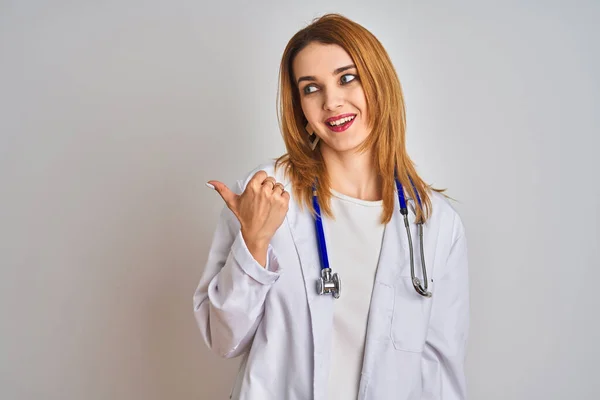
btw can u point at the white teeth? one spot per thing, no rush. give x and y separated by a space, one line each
341 121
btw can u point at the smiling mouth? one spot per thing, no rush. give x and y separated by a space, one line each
341 124
341 121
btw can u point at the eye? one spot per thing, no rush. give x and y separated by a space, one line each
306 89
353 77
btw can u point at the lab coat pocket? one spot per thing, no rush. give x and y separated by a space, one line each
410 317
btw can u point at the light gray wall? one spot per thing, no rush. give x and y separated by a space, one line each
113 115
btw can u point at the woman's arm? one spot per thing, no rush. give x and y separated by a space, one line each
229 300
444 353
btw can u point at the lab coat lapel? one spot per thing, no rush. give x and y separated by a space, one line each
394 256
302 229
393 262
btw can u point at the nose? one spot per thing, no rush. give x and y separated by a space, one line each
333 99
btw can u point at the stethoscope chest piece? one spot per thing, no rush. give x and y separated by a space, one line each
329 283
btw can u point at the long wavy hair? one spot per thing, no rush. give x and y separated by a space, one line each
385 107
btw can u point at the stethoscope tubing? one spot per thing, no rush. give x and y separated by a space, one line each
324 259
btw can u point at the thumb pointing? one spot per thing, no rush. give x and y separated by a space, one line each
229 197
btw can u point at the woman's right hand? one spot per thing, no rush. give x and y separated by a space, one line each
260 209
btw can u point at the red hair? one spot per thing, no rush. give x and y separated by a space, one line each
385 107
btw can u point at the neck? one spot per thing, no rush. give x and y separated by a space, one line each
353 174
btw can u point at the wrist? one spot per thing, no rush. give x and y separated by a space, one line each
258 250
254 243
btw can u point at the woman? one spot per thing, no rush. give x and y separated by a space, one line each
380 334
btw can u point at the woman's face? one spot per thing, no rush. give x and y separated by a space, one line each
329 88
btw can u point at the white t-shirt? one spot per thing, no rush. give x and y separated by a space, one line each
353 245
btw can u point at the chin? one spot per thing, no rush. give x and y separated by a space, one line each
346 147
345 144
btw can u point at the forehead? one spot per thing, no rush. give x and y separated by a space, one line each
319 59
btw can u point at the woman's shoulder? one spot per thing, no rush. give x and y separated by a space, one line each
445 213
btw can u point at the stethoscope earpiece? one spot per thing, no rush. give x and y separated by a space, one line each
417 285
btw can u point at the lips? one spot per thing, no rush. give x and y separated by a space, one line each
342 127
332 119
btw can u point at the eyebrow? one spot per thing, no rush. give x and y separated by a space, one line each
337 71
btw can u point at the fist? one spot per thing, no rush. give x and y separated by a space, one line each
260 209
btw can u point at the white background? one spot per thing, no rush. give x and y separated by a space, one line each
113 115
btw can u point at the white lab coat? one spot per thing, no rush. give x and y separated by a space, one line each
415 346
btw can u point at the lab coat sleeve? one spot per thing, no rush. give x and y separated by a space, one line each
229 300
444 353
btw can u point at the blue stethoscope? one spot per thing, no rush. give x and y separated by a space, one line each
330 282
